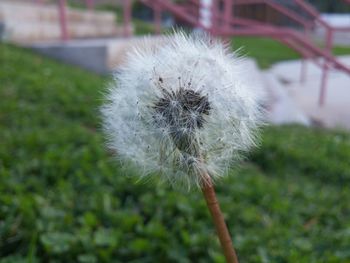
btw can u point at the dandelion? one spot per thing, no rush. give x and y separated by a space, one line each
181 111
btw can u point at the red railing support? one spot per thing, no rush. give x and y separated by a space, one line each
222 22
157 17
329 40
228 13
90 4
303 69
127 17
323 90
325 68
63 19
214 13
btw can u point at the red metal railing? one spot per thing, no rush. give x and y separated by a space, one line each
63 19
224 23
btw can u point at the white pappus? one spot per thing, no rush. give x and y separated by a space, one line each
181 108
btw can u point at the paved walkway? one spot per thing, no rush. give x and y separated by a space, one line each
99 55
24 22
297 101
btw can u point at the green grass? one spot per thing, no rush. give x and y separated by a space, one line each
267 51
64 199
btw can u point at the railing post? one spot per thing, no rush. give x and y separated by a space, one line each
214 18
126 17
303 73
321 99
329 40
325 68
228 19
63 19
90 4
303 69
228 13
157 16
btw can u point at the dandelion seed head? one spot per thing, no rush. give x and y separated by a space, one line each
181 108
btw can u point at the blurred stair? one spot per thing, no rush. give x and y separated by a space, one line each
24 22
98 55
304 95
282 108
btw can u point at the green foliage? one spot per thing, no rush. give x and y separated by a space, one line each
64 199
267 51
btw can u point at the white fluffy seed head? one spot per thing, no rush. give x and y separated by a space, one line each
181 108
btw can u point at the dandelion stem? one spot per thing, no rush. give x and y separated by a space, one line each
219 222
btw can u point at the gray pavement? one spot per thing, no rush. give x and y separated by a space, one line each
305 95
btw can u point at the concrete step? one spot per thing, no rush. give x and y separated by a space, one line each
118 48
25 22
28 12
289 71
282 108
98 55
335 111
20 32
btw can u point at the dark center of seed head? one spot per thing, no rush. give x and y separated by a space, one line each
182 113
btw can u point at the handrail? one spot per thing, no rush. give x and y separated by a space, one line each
225 23
167 5
292 15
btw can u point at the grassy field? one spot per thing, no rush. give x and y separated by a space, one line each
64 199
268 51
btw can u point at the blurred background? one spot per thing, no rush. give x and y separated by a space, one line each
63 198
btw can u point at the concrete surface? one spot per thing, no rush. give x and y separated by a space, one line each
98 55
282 109
91 57
25 22
336 110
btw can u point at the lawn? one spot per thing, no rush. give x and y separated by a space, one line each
64 199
